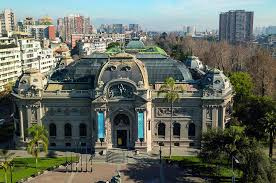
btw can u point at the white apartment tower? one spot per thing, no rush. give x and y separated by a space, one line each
10 62
30 49
46 60
8 21
35 57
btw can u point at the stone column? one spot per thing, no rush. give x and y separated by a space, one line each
215 117
21 123
222 117
204 127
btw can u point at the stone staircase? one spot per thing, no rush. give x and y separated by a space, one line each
117 156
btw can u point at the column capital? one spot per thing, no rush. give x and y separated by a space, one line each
101 109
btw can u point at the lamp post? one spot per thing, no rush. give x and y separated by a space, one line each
11 166
233 174
91 159
71 161
66 159
76 156
86 160
81 156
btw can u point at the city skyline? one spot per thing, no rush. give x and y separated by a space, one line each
151 14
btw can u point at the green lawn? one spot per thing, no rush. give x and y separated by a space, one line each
206 169
25 167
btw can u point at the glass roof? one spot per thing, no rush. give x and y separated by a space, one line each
159 67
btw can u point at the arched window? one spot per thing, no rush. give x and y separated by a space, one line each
161 130
67 130
191 130
82 129
176 130
53 130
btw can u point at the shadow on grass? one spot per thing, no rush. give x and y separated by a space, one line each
193 167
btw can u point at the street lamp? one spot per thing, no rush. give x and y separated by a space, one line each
91 159
71 161
66 158
86 159
81 156
11 166
236 161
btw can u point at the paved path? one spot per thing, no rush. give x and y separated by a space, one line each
130 173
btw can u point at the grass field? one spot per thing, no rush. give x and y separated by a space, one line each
25 167
205 169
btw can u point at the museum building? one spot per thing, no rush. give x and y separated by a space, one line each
111 100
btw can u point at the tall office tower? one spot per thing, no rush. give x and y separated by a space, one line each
8 22
236 26
133 27
118 28
191 30
76 24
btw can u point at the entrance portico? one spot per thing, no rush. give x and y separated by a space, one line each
122 131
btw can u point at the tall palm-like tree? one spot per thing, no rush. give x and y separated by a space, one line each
38 141
269 122
171 91
5 161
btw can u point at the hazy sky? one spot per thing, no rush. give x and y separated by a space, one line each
151 14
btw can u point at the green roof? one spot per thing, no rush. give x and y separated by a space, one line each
138 49
135 45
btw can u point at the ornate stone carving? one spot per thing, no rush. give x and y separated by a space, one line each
120 91
209 114
177 112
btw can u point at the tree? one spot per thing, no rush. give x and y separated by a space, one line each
219 145
242 83
255 109
269 123
256 167
6 159
171 91
38 141
113 44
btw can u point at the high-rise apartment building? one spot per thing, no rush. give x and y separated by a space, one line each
8 22
75 24
10 62
60 27
30 49
35 57
51 32
236 26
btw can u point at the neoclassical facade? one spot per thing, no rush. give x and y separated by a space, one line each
106 101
